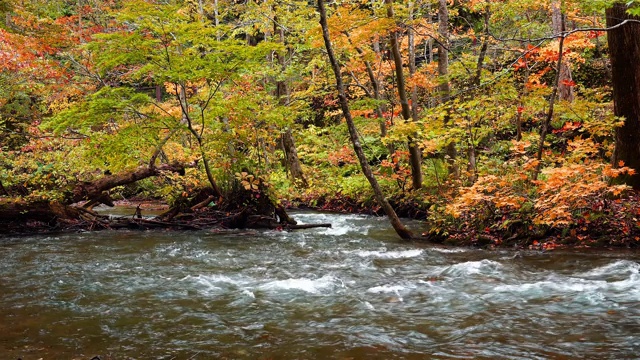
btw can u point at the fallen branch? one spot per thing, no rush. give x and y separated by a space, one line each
163 224
306 226
204 203
94 190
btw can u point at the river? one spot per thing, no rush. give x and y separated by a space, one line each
353 291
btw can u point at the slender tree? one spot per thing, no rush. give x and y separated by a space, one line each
443 70
565 90
402 231
415 158
544 130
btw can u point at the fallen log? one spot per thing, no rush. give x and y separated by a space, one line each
95 190
307 226
16 210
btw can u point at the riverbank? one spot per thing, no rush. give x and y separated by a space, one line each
609 223
613 224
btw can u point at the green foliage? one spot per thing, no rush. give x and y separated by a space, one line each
172 81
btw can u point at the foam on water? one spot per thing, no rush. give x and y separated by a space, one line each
448 251
554 286
342 228
484 267
620 280
207 286
340 224
395 289
617 268
215 283
402 254
313 286
249 293
222 279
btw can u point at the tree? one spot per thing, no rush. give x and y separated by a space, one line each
565 89
624 50
282 94
400 229
415 158
443 71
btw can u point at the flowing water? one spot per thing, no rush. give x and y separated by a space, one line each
349 292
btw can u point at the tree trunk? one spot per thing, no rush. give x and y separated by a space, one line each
355 139
94 190
444 87
20 216
292 157
565 90
412 65
288 142
624 50
415 158
181 94
477 80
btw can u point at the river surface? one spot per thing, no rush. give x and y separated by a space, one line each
349 292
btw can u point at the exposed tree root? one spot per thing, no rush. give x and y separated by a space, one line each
241 208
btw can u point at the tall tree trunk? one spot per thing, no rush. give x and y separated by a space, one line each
415 158
565 90
412 65
355 138
472 167
624 50
444 88
282 92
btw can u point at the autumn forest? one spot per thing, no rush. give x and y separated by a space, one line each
496 123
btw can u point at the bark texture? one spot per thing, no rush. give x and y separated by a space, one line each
624 50
400 229
415 157
443 70
12 211
293 161
96 189
565 90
